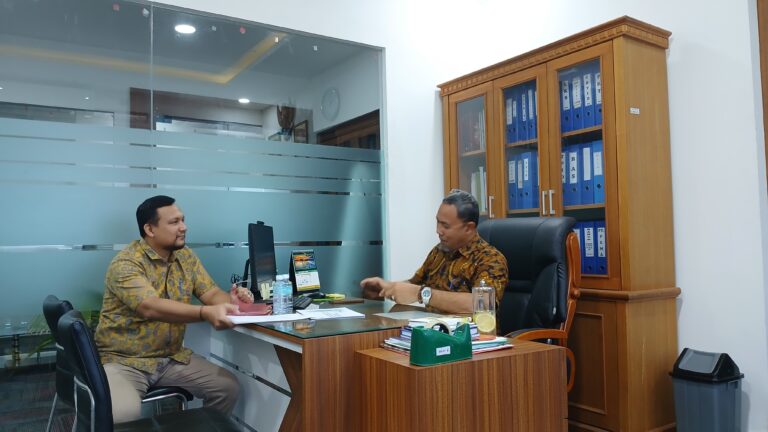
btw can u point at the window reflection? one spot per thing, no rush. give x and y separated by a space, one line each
128 65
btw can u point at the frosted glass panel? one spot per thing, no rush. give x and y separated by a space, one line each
104 105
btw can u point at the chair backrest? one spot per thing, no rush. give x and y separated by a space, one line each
536 295
93 399
53 310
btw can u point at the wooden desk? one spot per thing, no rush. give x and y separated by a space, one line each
311 381
299 380
518 389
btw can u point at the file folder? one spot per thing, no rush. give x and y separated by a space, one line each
578 228
520 192
564 173
588 263
589 96
573 193
598 179
534 179
523 131
516 120
512 182
565 106
531 112
598 97
527 181
602 248
587 193
577 102
509 129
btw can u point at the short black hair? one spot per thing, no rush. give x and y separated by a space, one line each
146 213
466 205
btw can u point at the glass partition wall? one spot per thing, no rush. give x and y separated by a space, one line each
104 104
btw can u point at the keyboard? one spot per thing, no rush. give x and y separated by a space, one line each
300 302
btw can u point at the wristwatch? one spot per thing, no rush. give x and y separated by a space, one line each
425 295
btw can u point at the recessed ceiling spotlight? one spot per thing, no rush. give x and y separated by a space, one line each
277 39
87 98
244 100
314 47
213 28
1 88
185 29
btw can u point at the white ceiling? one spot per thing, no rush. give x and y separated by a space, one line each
133 31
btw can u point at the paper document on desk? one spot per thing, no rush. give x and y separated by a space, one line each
257 319
330 313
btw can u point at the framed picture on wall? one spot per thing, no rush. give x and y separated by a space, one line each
300 132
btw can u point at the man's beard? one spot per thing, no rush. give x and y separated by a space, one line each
177 246
444 248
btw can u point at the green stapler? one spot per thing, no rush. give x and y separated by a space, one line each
431 347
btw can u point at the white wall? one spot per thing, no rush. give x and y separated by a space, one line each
720 206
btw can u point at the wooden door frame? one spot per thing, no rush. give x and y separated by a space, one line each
762 25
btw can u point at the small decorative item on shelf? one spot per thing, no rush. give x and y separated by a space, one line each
300 133
285 115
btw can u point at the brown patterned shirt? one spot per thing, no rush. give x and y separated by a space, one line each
135 274
460 270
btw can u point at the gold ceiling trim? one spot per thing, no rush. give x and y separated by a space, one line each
259 51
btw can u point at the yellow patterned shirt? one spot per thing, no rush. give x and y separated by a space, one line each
460 270
135 274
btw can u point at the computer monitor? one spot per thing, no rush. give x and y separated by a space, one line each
261 256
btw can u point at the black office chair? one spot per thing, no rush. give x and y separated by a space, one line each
53 310
93 401
544 264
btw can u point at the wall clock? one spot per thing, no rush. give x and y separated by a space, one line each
329 104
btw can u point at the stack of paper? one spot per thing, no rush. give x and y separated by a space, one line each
317 314
484 344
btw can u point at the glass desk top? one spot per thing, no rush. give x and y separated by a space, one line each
335 327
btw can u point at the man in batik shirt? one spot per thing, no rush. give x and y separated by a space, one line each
146 306
460 261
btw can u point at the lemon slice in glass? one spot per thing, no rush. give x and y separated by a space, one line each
486 322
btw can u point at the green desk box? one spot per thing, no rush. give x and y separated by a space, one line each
431 347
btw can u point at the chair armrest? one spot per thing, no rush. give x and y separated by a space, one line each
539 333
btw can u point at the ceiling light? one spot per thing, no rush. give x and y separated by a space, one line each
277 39
244 100
1 88
185 29
314 47
87 98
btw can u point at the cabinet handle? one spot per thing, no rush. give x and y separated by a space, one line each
490 206
544 203
551 207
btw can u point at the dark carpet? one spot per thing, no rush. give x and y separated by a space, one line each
26 396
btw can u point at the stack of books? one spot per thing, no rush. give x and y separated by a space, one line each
480 343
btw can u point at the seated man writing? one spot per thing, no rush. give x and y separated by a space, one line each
147 303
459 262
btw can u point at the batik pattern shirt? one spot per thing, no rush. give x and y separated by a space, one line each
459 271
134 275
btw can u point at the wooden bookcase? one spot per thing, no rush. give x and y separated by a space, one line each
624 334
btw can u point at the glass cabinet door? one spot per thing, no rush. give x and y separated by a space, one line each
582 160
472 142
521 148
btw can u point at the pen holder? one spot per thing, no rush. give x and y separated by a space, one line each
431 347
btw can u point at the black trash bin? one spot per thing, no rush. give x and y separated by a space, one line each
707 392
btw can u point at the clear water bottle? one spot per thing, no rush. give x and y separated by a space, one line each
282 300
